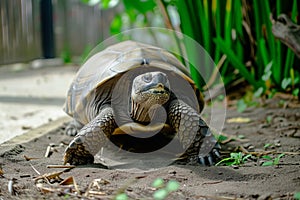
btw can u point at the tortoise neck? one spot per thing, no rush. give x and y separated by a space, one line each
140 112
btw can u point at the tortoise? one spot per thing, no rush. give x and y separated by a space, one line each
132 88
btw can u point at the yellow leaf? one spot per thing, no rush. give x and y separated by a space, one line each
239 120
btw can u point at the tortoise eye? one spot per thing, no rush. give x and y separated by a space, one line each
147 78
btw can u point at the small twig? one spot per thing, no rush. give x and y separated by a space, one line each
232 138
76 186
11 186
48 151
215 72
61 166
219 197
25 176
49 176
261 153
165 15
211 183
29 158
35 169
245 151
97 193
287 128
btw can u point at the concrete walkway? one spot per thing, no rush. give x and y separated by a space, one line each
31 97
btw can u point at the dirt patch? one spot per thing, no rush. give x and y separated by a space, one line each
275 124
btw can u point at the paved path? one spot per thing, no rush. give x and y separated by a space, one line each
30 97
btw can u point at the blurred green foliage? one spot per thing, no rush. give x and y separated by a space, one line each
237 30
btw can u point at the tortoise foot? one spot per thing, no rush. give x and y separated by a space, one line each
211 158
76 154
71 130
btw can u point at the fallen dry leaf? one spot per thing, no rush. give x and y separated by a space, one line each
239 120
67 181
1 171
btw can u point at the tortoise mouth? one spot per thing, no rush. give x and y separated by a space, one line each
155 89
146 99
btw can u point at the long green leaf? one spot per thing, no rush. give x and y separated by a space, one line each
237 63
216 14
238 22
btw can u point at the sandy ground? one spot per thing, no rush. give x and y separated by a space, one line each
275 123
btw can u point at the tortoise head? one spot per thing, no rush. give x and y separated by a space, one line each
148 91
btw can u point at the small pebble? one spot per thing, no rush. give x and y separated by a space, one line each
52 145
26 127
235 167
276 141
173 172
279 119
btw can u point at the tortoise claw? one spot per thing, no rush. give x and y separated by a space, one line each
73 127
216 153
211 158
201 160
71 131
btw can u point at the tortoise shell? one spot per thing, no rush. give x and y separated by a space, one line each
100 72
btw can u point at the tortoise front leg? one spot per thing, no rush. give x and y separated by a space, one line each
193 134
90 139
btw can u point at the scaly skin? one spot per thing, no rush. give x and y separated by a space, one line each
194 135
90 139
200 147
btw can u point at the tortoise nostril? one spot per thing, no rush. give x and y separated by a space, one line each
160 85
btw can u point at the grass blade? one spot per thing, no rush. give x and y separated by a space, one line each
237 63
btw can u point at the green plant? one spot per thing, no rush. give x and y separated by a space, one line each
164 189
121 196
66 56
269 119
297 195
234 159
272 161
241 30
268 145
